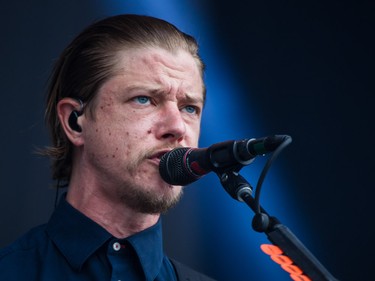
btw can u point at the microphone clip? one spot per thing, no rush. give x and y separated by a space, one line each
235 184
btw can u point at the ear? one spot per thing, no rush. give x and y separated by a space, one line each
65 108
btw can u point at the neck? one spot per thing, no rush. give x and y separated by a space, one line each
114 216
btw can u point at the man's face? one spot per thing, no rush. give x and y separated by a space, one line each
151 106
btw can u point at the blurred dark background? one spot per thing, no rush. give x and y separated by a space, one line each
301 68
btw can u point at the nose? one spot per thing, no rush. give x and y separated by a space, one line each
170 124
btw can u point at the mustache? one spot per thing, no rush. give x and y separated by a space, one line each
157 150
149 153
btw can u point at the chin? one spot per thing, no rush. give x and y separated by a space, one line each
172 190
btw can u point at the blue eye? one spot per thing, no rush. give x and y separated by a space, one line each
142 99
190 109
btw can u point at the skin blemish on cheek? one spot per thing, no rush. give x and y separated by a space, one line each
114 154
143 171
149 132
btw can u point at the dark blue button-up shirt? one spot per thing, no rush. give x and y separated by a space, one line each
73 247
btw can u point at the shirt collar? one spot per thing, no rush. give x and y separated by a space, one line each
78 237
149 248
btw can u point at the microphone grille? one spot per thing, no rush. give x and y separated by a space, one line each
172 167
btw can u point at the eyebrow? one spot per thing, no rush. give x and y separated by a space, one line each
194 100
187 97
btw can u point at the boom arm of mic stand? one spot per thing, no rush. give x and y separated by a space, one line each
276 232
282 236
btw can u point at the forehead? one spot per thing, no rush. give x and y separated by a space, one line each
178 59
156 67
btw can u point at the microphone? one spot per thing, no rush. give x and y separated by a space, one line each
184 165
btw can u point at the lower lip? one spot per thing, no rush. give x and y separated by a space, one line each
155 161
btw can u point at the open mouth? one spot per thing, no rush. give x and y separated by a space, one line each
158 155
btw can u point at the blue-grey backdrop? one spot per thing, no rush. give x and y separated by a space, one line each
303 68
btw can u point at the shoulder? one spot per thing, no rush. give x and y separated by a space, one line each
28 244
185 273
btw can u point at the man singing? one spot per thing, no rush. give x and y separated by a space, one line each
127 90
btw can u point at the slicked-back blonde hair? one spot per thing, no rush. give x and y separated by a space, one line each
89 61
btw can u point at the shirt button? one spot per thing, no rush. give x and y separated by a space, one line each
116 246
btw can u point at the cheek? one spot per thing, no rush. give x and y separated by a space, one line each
193 135
131 141
116 131
105 106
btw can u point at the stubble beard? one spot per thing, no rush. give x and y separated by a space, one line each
142 198
147 202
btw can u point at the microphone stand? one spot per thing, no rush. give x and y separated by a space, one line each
280 235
